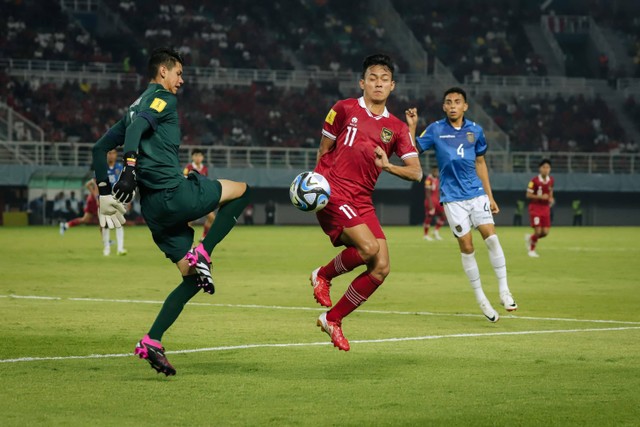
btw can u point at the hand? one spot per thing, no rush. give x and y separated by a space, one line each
432 211
493 206
381 159
125 189
411 114
111 212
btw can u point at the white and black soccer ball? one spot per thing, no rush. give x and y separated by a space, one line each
309 192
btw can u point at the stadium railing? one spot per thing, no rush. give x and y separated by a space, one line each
79 155
529 85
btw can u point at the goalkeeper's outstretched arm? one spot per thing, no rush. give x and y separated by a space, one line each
110 140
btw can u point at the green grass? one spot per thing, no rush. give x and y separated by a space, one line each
469 372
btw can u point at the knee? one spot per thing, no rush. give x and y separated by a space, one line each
381 269
368 250
466 247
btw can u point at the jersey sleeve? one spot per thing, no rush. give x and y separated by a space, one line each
531 187
481 144
426 140
405 148
162 105
334 121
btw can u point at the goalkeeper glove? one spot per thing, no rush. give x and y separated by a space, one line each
125 188
110 212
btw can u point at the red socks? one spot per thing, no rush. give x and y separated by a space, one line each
358 292
346 261
74 222
534 240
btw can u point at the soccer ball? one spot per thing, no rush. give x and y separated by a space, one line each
309 192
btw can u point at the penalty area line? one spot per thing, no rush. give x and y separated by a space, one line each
311 344
281 307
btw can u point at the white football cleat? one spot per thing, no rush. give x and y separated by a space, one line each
428 238
489 312
63 228
437 235
533 254
106 251
506 300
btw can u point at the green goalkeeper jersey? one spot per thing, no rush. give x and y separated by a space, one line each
158 162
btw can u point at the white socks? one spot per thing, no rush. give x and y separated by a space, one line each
496 256
120 239
105 238
470 267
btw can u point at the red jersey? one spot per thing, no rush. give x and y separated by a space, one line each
192 167
432 183
350 164
539 187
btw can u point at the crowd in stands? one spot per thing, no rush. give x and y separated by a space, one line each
474 38
41 30
560 123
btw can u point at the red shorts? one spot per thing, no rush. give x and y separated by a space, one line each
340 214
91 205
540 216
439 210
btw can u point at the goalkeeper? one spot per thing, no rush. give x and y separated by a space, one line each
150 132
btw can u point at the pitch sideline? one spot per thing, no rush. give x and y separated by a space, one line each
280 307
277 345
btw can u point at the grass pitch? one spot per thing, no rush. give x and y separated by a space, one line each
422 354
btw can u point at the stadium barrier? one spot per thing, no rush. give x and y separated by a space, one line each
79 155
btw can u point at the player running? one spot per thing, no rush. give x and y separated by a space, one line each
197 165
432 207
91 208
540 196
150 133
358 137
465 192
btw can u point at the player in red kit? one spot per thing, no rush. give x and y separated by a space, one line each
358 137
432 206
540 196
197 165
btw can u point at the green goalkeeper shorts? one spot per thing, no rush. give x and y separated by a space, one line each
168 212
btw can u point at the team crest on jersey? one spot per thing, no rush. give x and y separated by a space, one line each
386 135
471 137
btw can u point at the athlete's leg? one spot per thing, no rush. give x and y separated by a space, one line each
120 240
533 239
234 198
106 241
499 264
173 306
211 216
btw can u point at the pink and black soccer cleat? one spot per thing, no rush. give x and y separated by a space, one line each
334 330
321 289
154 353
199 258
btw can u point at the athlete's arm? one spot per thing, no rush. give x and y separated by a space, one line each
411 171
110 140
411 114
325 146
483 174
125 189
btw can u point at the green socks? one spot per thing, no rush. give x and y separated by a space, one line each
226 219
173 306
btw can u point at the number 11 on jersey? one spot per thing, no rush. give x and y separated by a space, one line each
351 135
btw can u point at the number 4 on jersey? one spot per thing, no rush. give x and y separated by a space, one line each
460 151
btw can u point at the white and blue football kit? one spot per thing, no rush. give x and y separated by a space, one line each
465 201
114 173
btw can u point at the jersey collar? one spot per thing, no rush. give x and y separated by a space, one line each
544 181
465 121
385 113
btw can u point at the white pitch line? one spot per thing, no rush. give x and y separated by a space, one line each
281 307
310 344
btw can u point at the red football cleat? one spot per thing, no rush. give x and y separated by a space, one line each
334 330
321 289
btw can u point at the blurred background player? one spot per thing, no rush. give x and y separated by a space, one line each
197 165
91 208
432 207
358 137
465 192
150 132
540 196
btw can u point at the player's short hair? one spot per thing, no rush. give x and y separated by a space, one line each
162 56
454 90
377 59
545 161
197 151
